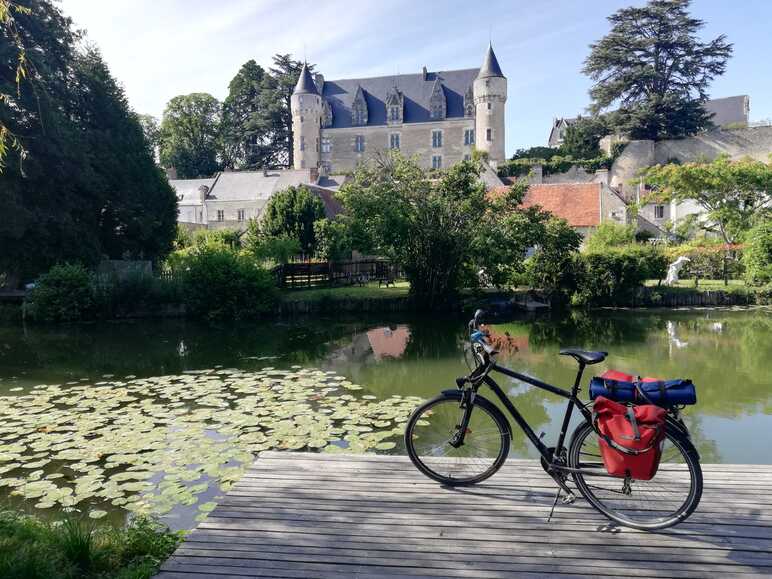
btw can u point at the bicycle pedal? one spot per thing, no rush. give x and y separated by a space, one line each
569 499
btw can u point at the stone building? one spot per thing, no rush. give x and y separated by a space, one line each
440 117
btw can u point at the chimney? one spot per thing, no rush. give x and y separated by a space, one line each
536 175
171 173
319 81
313 174
601 176
203 191
424 73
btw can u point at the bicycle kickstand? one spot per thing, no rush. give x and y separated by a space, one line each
554 503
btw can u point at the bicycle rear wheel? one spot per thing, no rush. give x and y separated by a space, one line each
665 500
432 427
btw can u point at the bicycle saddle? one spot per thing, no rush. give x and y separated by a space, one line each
583 356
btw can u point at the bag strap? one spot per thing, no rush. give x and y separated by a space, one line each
619 447
639 391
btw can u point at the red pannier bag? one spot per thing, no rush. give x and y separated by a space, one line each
631 437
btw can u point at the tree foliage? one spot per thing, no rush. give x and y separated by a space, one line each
581 137
190 135
757 256
733 193
292 213
551 268
246 139
609 234
440 232
653 65
14 51
90 188
151 129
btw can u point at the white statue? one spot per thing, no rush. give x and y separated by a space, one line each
674 268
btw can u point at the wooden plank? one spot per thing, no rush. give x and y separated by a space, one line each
376 516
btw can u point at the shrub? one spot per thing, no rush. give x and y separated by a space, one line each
115 296
611 277
757 257
608 235
710 259
550 268
63 294
220 283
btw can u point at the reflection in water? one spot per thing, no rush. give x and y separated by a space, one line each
725 352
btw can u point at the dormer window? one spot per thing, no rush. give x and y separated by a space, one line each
326 114
359 108
394 106
469 102
437 102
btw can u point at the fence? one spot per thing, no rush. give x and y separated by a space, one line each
315 274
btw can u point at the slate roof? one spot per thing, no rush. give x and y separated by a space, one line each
577 203
187 189
306 84
416 88
490 65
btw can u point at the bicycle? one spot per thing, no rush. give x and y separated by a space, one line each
462 438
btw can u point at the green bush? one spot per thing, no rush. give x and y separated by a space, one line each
612 277
608 235
220 283
550 268
79 549
278 250
63 294
117 297
709 259
757 257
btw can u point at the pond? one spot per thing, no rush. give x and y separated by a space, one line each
161 417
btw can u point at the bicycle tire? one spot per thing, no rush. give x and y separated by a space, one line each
657 502
418 455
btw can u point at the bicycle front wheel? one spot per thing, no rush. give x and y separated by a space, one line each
434 424
665 500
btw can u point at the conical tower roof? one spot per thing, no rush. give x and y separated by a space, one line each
490 65
306 84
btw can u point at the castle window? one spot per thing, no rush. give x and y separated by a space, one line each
469 137
326 145
437 103
436 162
394 141
467 157
488 134
241 215
326 114
220 215
302 143
359 144
490 106
317 144
469 102
659 212
394 114
394 105
436 139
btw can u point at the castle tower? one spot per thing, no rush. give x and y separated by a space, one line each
306 106
490 97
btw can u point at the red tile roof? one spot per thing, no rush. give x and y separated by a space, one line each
577 203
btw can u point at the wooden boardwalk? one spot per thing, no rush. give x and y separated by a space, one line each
370 516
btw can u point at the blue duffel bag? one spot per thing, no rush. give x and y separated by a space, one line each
647 391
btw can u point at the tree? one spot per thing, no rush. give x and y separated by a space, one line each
582 137
733 193
275 116
18 56
190 132
609 234
292 213
551 268
90 188
246 137
151 130
441 233
333 241
654 67
757 256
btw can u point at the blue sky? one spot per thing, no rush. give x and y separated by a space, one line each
162 48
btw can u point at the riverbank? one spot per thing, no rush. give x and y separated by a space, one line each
393 299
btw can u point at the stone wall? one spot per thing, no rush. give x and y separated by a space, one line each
415 139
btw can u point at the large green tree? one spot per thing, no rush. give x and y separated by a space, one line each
89 188
246 137
291 213
734 194
151 129
582 137
190 135
655 69
440 232
11 47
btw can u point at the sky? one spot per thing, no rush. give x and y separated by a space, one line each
162 48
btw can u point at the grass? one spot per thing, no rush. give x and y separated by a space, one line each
76 548
367 292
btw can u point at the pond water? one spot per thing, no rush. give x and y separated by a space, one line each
162 416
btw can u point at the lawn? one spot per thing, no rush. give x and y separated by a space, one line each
704 284
355 292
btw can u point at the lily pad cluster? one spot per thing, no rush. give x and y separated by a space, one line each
148 445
